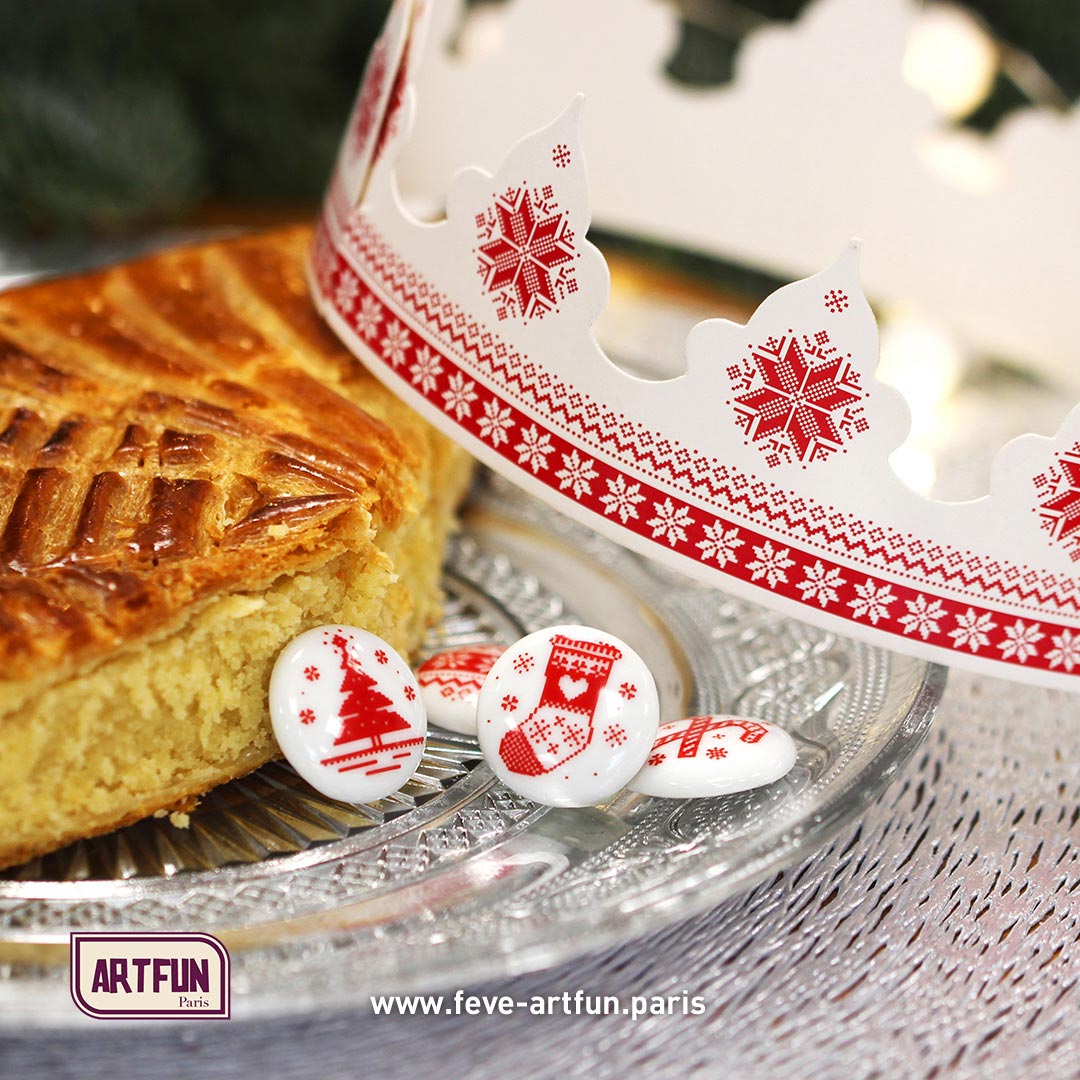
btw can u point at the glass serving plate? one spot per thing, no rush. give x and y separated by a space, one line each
456 878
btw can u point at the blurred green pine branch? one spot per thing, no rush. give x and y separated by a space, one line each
128 111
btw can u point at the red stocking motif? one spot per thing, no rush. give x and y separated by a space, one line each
561 725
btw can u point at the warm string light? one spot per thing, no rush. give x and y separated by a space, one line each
921 360
951 59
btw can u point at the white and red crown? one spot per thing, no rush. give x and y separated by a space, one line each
764 469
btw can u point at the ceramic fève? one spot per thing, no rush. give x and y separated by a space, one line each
704 756
568 715
517 884
347 713
450 684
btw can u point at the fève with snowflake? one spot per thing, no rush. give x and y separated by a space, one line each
347 714
567 715
704 756
763 469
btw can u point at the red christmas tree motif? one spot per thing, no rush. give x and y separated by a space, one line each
689 739
800 399
576 672
526 253
1059 490
366 714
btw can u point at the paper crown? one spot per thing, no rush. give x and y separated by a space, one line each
763 470
837 124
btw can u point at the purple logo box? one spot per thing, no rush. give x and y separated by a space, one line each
143 976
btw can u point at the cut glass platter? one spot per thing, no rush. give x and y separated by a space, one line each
456 878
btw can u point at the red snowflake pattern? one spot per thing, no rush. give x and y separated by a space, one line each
628 691
526 253
311 673
836 300
523 663
797 399
389 128
367 103
656 759
380 655
615 735
1059 509
928 613
509 703
307 716
561 156
410 693
716 753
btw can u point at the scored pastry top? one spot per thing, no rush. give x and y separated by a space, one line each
169 431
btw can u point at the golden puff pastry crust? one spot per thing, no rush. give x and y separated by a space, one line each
192 470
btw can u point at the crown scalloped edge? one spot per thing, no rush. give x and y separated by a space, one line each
763 469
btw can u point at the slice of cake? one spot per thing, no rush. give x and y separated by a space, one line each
192 471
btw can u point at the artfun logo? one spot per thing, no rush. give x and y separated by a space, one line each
126 976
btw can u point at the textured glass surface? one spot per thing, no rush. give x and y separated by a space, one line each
457 877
